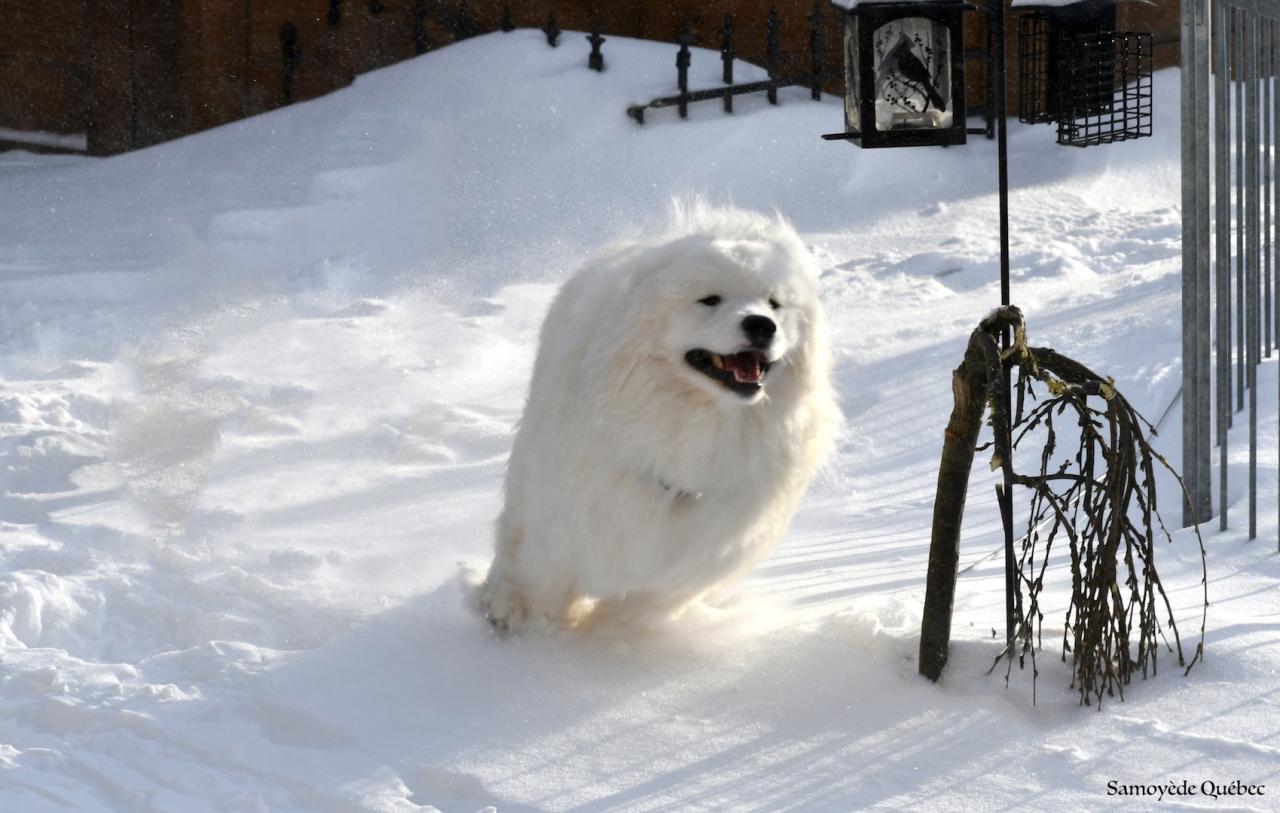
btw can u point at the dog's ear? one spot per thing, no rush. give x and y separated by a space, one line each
816 370
810 358
816 346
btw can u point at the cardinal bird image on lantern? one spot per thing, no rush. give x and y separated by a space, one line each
901 61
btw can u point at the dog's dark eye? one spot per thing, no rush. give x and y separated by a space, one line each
775 304
710 301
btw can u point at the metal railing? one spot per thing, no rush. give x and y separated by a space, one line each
1227 214
813 75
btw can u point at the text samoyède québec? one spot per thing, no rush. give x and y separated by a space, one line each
1207 788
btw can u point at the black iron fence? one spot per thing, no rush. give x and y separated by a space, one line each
783 69
813 75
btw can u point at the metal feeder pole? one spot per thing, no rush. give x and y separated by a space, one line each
996 8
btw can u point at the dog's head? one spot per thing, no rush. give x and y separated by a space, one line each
736 310
727 305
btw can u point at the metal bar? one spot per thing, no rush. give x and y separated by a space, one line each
1253 266
1222 224
1204 336
1190 283
1265 76
815 51
1241 26
996 7
1273 82
772 31
727 54
1232 48
1274 43
717 93
683 59
989 113
595 59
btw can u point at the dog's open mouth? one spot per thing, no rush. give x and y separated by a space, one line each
741 372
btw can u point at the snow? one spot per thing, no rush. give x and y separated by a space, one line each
256 391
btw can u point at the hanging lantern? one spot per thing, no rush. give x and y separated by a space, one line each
904 73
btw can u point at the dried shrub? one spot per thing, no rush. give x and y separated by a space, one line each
1094 487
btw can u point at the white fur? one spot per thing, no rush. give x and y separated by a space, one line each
635 480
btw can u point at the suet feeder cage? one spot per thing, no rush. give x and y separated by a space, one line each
904 74
1078 72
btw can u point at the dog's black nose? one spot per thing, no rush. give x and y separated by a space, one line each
759 330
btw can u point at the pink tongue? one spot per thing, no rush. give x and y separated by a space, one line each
745 367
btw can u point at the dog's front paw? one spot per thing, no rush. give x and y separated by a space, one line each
503 604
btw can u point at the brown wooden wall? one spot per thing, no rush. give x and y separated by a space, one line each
135 72
43 70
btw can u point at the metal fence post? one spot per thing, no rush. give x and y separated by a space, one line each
683 59
727 55
595 60
772 30
1240 40
1272 158
1264 75
1222 222
815 50
1195 335
1252 265
1204 498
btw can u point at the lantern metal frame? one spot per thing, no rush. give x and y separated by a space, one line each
861 22
1108 94
1078 72
1037 48
1048 54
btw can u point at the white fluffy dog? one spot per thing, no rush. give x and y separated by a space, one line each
680 404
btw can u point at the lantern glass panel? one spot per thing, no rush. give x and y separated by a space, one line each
912 62
852 77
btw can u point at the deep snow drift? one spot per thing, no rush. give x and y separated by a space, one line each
256 391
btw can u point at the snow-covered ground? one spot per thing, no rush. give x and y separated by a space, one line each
256 391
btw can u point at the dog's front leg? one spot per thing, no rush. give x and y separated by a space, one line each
513 594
